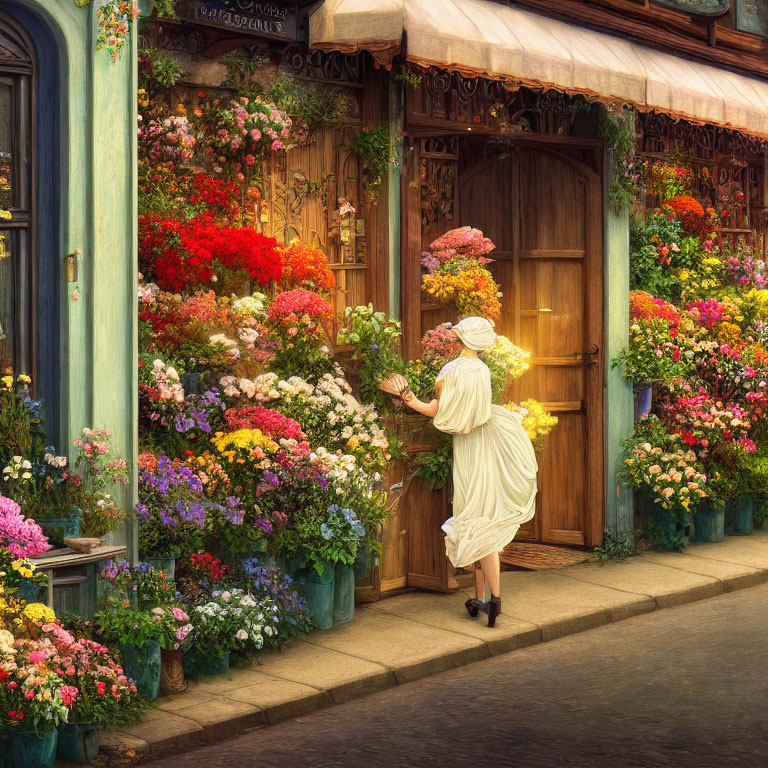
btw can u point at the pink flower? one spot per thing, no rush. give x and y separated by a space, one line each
101 688
68 695
250 159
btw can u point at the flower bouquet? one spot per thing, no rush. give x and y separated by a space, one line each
537 421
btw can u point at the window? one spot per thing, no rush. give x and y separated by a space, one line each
18 284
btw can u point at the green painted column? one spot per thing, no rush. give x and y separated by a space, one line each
98 322
619 406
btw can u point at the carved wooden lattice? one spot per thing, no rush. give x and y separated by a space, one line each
450 97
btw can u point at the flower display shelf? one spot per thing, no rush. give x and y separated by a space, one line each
73 577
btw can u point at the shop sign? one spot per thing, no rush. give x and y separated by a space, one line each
752 17
261 18
697 7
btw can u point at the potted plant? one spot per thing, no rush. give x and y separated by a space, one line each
138 634
342 534
33 700
266 581
669 479
169 512
155 597
229 620
106 697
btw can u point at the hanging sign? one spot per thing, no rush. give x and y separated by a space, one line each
697 7
261 18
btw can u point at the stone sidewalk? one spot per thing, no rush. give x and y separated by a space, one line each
414 635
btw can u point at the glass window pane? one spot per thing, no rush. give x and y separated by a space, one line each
6 138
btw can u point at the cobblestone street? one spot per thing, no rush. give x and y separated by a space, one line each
679 688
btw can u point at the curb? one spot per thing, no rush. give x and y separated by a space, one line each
177 734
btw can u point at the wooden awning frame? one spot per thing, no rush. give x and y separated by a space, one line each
520 47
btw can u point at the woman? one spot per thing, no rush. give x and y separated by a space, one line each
494 466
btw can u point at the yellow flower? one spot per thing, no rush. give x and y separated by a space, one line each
24 379
7 381
39 613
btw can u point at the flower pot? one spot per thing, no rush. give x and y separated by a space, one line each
6 758
738 516
343 594
165 564
143 666
643 400
172 672
672 528
34 749
198 663
709 522
78 742
319 593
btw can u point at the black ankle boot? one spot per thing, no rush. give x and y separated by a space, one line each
494 609
473 605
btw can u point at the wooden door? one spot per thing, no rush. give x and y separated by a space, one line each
543 213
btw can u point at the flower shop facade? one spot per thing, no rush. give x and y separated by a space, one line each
498 135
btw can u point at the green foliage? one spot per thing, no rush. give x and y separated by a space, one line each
166 9
160 70
123 625
621 547
372 145
409 77
646 271
435 466
375 339
308 104
241 67
617 129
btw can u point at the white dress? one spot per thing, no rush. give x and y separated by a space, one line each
494 465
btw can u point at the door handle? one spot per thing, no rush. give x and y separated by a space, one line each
590 357
542 309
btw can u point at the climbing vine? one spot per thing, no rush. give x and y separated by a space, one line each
617 129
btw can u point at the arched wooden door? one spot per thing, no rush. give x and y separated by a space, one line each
543 213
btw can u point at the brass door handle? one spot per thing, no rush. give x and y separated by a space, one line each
542 309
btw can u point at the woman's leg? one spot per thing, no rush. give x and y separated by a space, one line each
479 582
492 572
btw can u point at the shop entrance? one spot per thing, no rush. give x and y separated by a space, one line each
542 211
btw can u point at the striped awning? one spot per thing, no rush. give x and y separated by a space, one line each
522 47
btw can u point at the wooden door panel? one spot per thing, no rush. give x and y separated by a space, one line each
562 476
542 212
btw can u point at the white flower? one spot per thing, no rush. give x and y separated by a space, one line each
241 634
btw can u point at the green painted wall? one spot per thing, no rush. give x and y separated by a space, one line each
619 407
98 214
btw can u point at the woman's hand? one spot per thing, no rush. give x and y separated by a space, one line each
408 397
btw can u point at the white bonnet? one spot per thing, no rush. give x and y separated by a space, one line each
475 333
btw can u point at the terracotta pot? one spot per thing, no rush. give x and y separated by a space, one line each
172 672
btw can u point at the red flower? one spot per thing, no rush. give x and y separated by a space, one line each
690 213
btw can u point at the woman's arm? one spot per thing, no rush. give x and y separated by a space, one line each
427 409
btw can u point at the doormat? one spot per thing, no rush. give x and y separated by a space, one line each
537 557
